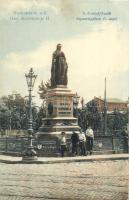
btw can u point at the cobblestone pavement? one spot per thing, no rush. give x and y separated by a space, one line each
72 181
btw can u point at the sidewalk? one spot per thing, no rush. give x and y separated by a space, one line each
52 160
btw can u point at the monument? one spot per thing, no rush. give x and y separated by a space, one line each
59 102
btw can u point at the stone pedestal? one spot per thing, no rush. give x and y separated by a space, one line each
59 116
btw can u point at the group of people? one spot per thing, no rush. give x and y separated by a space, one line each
82 143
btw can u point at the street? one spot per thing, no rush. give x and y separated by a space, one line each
105 180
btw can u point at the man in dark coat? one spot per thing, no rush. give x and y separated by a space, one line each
75 143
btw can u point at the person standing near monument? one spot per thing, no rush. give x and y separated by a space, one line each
63 144
75 143
59 68
89 140
82 143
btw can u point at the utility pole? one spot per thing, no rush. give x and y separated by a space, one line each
105 108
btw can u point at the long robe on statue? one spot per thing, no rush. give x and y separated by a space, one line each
59 69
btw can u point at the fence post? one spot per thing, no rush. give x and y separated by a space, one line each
112 143
6 144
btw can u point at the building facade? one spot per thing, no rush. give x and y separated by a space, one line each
112 104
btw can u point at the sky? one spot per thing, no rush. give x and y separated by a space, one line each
95 39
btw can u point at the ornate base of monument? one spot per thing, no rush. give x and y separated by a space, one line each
53 127
59 114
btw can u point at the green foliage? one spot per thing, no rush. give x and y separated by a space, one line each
14 113
43 87
93 116
89 115
4 117
40 115
117 120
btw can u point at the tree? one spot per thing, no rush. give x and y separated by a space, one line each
93 116
4 118
15 113
39 117
89 116
43 88
117 121
82 118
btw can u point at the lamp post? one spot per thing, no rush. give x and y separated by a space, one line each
30 154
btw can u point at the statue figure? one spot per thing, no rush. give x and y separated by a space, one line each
59 68
50 108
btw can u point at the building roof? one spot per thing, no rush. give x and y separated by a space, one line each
111 100
115 100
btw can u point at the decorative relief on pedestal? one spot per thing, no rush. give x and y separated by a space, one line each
50 108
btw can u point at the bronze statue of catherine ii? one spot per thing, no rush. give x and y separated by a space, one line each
59 68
